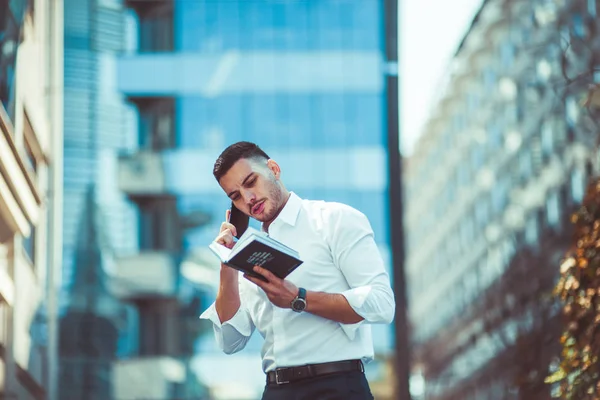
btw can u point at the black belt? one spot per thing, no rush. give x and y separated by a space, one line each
292 374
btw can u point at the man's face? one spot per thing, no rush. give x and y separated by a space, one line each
253 186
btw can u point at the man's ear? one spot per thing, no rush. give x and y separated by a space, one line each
274 167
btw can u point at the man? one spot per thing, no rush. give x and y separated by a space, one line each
315 322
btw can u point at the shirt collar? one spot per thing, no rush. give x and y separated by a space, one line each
290 211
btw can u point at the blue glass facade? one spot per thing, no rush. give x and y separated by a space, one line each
303 79
286 120
277 25
95 122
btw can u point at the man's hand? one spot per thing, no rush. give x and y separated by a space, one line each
227 232
279 291
228 296
225 238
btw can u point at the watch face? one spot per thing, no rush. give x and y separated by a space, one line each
298 305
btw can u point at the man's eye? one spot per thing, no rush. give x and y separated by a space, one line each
235 197
251 182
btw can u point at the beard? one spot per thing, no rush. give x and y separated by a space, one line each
274 202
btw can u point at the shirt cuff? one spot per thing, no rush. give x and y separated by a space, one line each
356 298
239 322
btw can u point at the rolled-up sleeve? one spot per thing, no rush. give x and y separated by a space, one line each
355 252
232 335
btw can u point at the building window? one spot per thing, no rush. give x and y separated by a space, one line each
553 209
29 245
11 20
547 139
525 165
472 102
573 111
450 192
579 28
460 123
495 135
511 113
159 224
30 158
577 185
4 326
532 230
508 250
507 54
156 26
28 155
467 232
593 7
463 174
499 196
477 158
489 80
447 138
470 285
157 130
482 212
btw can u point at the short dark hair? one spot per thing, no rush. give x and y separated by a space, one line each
234 153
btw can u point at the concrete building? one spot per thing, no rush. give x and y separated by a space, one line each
30 133
501 164
303 79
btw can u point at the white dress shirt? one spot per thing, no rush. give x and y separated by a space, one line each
336 243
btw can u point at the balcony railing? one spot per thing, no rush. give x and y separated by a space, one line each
147 378
156 378
143 275
142 174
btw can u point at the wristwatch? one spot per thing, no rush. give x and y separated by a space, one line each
299 303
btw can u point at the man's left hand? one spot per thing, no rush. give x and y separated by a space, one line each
279 291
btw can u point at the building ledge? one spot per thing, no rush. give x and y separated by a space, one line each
7 287
147 377
17 178
12 216
145 275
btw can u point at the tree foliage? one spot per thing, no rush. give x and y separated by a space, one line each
578 375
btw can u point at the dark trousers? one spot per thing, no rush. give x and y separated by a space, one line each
342 386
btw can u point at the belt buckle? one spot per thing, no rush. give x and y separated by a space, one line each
277 380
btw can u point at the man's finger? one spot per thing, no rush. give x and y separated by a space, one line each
227 225
258 282
225 238
266 273
225 234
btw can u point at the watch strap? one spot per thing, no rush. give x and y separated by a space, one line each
302 293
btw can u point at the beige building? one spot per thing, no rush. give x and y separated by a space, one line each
30 126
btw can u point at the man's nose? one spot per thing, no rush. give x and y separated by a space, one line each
249 197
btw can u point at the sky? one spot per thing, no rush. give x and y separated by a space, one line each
429 33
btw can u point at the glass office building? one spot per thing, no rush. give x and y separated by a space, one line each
303 79
97 219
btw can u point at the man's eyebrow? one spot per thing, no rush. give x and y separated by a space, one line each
243 183
248 177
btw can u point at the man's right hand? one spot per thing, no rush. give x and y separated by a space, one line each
228 297
226 235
